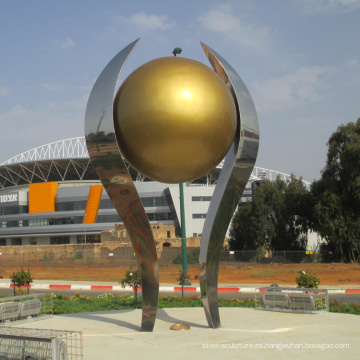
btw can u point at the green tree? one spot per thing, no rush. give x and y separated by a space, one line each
337 194
21 278
132 278
182 277
276 218
307 280
244 231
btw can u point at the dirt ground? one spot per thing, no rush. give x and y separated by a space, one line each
229 273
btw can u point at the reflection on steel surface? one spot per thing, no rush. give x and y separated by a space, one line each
169 109
111 169
239 163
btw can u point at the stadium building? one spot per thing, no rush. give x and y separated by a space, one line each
52 195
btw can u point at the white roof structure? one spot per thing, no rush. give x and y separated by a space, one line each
75 148
63 149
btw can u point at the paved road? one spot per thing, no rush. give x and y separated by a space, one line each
348 298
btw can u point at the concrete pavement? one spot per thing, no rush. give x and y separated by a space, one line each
245 334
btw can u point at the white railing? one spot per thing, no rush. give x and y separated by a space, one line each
63 149
259 173
76 148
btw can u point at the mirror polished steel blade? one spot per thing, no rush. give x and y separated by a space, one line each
112 171
236 171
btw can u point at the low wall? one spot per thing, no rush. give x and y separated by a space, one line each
109 253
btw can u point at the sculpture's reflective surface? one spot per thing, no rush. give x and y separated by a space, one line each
111 169
174 121
234 175
169 110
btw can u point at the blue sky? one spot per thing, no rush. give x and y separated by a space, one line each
299 59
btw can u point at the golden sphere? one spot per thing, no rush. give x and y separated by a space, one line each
174 119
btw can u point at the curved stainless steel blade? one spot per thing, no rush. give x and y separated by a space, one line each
236 171
112 171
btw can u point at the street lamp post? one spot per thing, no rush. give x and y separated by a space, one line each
183 234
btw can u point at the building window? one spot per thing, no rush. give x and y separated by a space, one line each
2 242
115 218
146 201
90 239
59 240
8 224
38 222
154 201
53 221
106 204
198 216
159 216
201 198
71 205
15 241
14 210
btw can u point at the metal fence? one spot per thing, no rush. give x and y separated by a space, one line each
24 343
126 257
283 257
24 308
275 298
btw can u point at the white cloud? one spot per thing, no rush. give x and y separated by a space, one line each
328 6
221 20
52 87
3 91
148 21
352 62
69 43
291 91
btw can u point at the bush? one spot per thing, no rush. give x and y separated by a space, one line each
192 259
259 255
172 301
182 277
327 253
344 308
83 303
21 278
305 280
64 305
195 255
320 304
132 278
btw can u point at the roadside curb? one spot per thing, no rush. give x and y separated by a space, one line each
78 287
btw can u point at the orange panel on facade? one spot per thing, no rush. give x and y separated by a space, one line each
93 203
42 197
